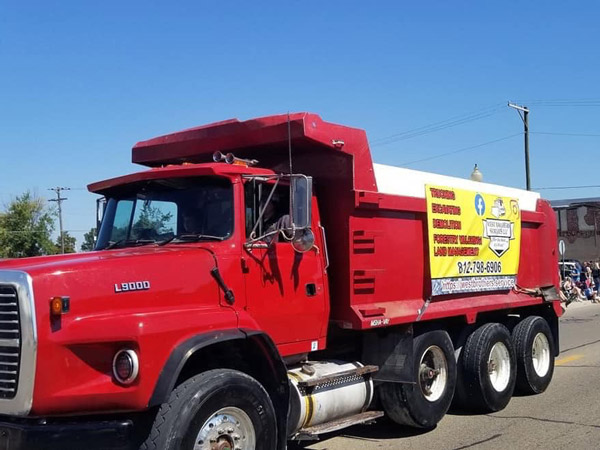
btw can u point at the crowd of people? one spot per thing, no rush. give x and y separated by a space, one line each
582 285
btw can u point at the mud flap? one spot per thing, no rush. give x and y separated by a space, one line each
391 350
550 294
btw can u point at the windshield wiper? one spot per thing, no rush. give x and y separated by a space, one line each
191 237
113 244
125 242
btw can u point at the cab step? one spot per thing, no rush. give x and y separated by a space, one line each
311 433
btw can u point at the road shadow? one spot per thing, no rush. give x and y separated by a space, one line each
578 319
382 429
462 411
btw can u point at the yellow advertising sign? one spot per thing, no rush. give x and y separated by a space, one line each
474 240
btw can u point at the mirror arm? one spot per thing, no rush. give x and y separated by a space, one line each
252 241
324 238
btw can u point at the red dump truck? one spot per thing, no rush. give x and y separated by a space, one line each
264 281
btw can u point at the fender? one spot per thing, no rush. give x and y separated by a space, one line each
281 397
272 363
180 355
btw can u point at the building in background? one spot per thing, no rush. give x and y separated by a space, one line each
578 223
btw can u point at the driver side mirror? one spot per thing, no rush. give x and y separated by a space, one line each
300 199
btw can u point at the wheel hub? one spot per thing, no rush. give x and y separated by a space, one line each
227 429
433 373
540 354
224 443
498 365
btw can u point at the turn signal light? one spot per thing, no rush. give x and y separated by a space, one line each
59 305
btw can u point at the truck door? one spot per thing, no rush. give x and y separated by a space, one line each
285 290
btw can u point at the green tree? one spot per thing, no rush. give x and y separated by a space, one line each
89 240
70 243
25 228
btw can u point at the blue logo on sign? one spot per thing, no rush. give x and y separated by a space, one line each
479 205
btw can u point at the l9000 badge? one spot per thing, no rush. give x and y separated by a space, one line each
132 286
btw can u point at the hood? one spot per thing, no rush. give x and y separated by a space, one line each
36 263
123 281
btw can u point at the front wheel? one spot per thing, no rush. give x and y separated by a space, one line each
423 404
223 409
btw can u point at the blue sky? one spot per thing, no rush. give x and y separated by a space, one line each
81 82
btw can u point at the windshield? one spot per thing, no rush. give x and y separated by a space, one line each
169 210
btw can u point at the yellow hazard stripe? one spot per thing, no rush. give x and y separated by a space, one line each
308 402
567 359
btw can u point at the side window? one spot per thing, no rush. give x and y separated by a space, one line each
121 221
251 208
154 219
256 194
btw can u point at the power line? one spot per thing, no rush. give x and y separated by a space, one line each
550 133
464 149
565 102
429 129
39 231
438 126
21 231
17 194
592 186
475 115
541 105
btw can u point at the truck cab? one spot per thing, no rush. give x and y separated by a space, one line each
257 226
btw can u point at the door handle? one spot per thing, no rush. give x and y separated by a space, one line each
311 289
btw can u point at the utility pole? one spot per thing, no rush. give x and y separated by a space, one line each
59 201
524 114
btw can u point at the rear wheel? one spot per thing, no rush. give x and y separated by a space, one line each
487 369
423 404
218 409
534 348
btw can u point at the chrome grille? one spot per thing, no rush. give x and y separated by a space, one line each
10 341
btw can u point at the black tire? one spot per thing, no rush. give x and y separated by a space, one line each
533 376
424 404
194 402
477 389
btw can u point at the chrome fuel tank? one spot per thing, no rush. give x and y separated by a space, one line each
324 391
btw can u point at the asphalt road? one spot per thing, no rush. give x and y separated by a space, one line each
567 415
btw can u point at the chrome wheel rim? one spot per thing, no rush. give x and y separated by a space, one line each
499 366
229 428
433 373
540 354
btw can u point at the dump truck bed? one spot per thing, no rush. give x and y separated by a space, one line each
375 218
